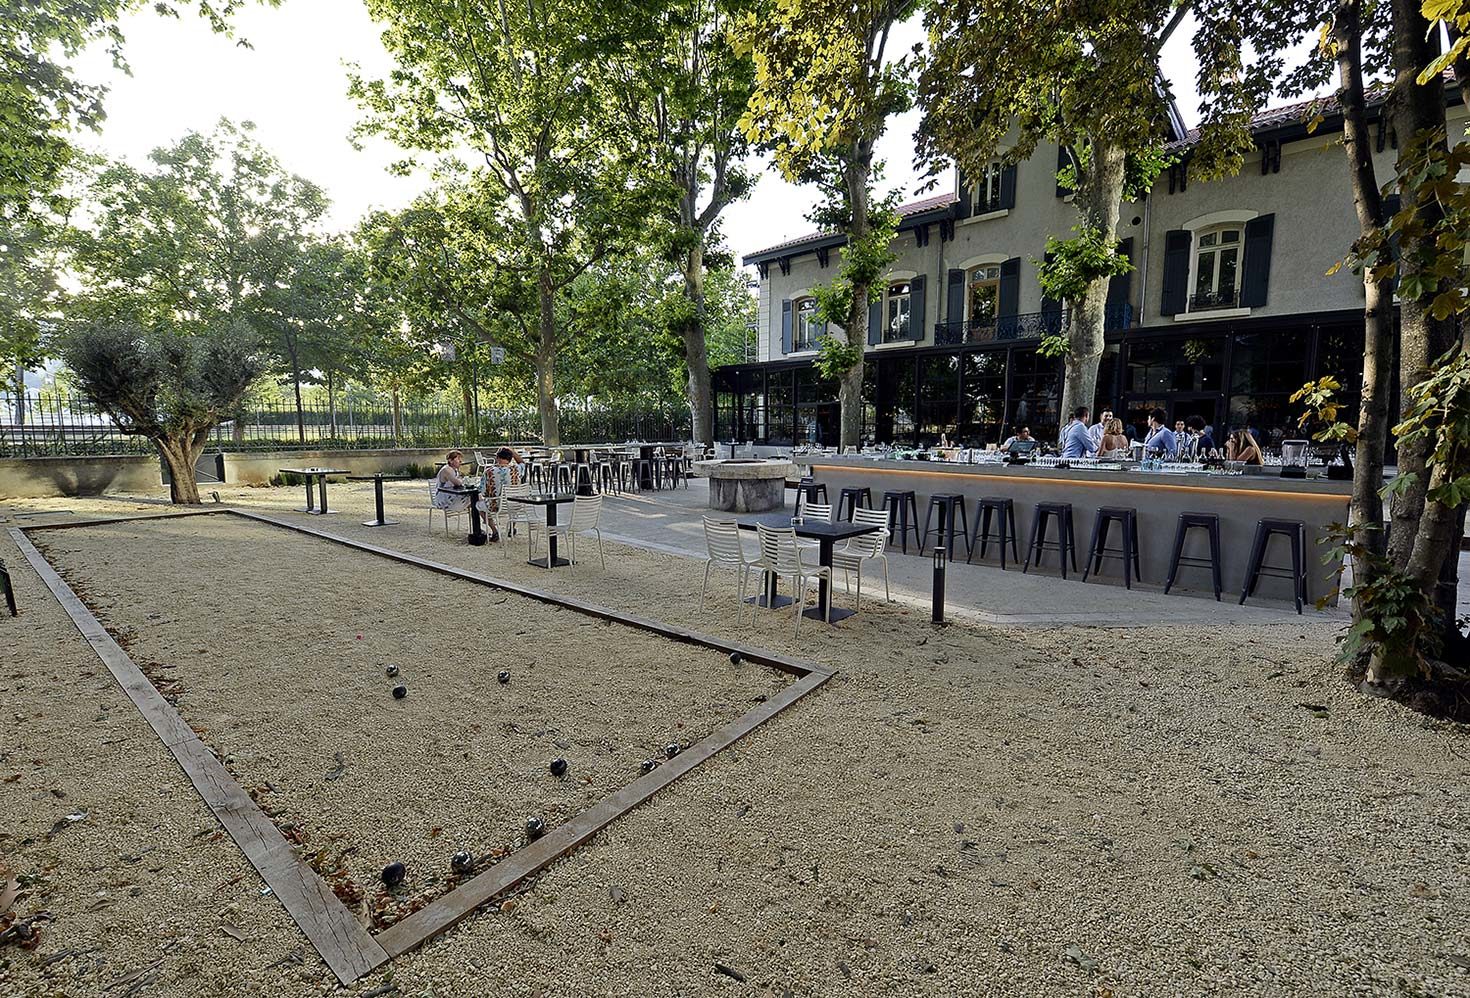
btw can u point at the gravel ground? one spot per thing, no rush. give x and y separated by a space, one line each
1041 811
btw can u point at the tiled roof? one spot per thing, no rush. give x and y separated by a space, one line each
904 210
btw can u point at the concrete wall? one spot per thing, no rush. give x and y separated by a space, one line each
40 477
255 468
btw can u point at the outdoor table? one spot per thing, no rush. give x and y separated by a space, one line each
378 480
826 535
320 474
477 533
551 501
583 457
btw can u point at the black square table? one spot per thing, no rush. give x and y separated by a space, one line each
378 479
826 535
551 501
477 533
320 474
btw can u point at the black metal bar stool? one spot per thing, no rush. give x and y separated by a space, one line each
899 503
948 503
1005 516
1208 522
847 502
1296 530
810 490
1064 545
1098 549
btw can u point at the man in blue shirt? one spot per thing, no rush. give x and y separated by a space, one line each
1076 441
1160 440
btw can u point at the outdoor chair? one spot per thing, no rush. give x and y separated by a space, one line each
723 545
513 514
781 556
817 511
864 547
445 504
586 510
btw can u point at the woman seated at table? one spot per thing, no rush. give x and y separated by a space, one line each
1113 438
1243 447
450 478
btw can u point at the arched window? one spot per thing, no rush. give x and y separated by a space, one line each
1216 268
896 328
806 330
982 300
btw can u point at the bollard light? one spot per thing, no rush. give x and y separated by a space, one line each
939 565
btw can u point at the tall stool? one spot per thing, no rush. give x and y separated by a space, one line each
900 503
1098 549
1064 545
1296 530
811 491
847 502
1005 515
948 503
1208 522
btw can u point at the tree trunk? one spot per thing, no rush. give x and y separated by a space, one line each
1100 191
20 394
397 419
296 383
180 458
857 175
546 362
467 398
331 404
696 354
1366 510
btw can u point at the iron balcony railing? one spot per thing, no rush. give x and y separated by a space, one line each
1224 298
1026 326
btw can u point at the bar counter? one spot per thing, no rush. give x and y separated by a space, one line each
1158 498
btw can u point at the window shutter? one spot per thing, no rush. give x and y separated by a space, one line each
1255 270
1392 205
1177 243
916 307
1063 161
1050 307
967 196
1010 286
786 325
1008 187
875 321
954 305
1119 287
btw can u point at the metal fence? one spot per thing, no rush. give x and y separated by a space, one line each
53 425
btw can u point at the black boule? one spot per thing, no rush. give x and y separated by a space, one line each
399 692
503 676
394 873
392 671
671 750
736 658
535 828
462 862
648 765
558 767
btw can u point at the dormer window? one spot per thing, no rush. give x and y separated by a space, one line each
987 189
1217 269
898 317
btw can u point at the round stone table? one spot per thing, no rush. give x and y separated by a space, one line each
746 485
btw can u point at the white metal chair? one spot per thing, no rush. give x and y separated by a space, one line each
585 513
817 511
513 514
781 556
724 547
450 504
864 547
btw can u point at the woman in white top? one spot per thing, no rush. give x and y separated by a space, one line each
450 478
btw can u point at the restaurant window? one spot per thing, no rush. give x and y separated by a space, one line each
894 420
987 188
939 397
1192 365
982 398
983 299
1035 395
780 408
1216 268
806 331
896 328
1266 368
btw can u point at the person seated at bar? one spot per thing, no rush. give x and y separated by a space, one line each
1161 441
1113 437
450 478
1022 434
1204 441
1243 447
1076 440
1100 428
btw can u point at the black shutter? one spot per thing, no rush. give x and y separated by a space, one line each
875 321
1177 243
916 308
785 325
1008 187
1051 308
1255 271
967 197
1010 286
1063 161
1120 286
1392 205
954 305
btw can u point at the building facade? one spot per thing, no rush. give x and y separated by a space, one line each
1228 309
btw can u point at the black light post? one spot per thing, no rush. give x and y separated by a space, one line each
9 590
939 564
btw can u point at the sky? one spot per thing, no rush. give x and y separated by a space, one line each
293 85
